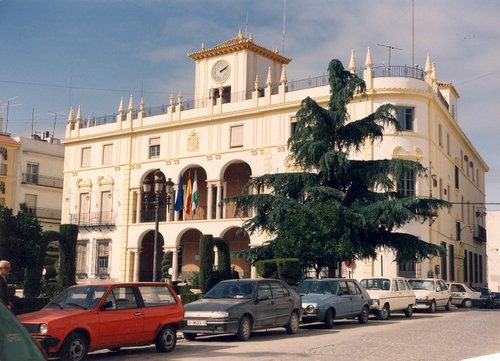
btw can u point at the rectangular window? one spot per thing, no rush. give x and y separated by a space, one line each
236 136
107 154
293 126
448 146
457 178
452 262
466 273
476 269
81 258
154 148
407 184
32 172
458 231
471 267
407 269
404 115
30 201
85 161
102 257
440 135
444 269
84 213
106 204
480 269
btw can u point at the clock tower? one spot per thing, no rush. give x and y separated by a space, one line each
233 68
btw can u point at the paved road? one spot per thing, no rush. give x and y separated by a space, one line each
455 335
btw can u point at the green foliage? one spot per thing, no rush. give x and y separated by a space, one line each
67 255
206 261
224 256
285 269
166 264
215 277
337 208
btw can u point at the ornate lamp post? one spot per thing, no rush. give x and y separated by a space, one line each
159 185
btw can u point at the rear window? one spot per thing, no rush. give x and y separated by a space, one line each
156 296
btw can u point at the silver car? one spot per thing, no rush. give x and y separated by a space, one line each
328 299
240 306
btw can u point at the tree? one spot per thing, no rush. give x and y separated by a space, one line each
67 255
337 208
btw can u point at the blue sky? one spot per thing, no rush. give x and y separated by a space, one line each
92 52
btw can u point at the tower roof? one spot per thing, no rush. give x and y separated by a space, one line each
237 44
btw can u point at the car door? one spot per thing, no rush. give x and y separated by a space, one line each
264 309
442 292
283 303
343 301
120 318
358 300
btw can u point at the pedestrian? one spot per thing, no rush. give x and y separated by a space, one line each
4 290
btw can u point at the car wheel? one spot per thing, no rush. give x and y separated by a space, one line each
74 348
329 317
409 311
384 313
467 303
166 339
447 307
363 316
292 326
189 336
432 307
244 330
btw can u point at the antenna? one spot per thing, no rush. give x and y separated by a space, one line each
284 23
55 119
246 27
390 48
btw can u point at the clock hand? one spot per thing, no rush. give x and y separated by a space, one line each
224 68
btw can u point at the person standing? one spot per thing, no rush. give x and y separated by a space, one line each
4 291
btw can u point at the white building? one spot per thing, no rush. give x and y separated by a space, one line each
237 128
40 179
493 249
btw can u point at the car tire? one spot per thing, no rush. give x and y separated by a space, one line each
447 307
363 316
74 348
189 336
467 303
329 318
244 329
384 313
409 311
166 339
292 327
432 307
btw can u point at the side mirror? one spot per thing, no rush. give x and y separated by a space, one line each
106 305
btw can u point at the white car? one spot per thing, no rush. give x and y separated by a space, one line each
389 294
431 293
464 296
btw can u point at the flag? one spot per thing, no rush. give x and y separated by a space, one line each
179 201
189 195
194 198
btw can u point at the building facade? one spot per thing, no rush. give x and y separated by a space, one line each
236 129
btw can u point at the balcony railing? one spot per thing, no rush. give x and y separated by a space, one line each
106 218
42 180
49 213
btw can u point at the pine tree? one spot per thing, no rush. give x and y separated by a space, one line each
337 208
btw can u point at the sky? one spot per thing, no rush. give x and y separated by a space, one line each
90 53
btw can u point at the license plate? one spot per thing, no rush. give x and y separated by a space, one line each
197 322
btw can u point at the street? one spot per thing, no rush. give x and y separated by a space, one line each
455 335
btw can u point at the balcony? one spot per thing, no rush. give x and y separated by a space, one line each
479 233
41 180
47 213
93 219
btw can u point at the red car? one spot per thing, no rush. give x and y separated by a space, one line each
89 317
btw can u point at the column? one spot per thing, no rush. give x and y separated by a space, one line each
175 264
209 200
136 253
138 208
219 199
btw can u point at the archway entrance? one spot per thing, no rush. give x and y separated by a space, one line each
146 260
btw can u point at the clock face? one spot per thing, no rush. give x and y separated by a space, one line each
220 71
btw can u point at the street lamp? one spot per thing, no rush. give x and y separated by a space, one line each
159 185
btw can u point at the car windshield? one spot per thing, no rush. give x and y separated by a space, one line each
84 297
316 286
376 284
422 285
231 290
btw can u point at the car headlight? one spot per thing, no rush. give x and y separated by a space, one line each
219 314
43 328
309 309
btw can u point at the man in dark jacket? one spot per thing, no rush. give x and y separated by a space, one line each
4 291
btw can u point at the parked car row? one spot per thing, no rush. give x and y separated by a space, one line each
85 318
